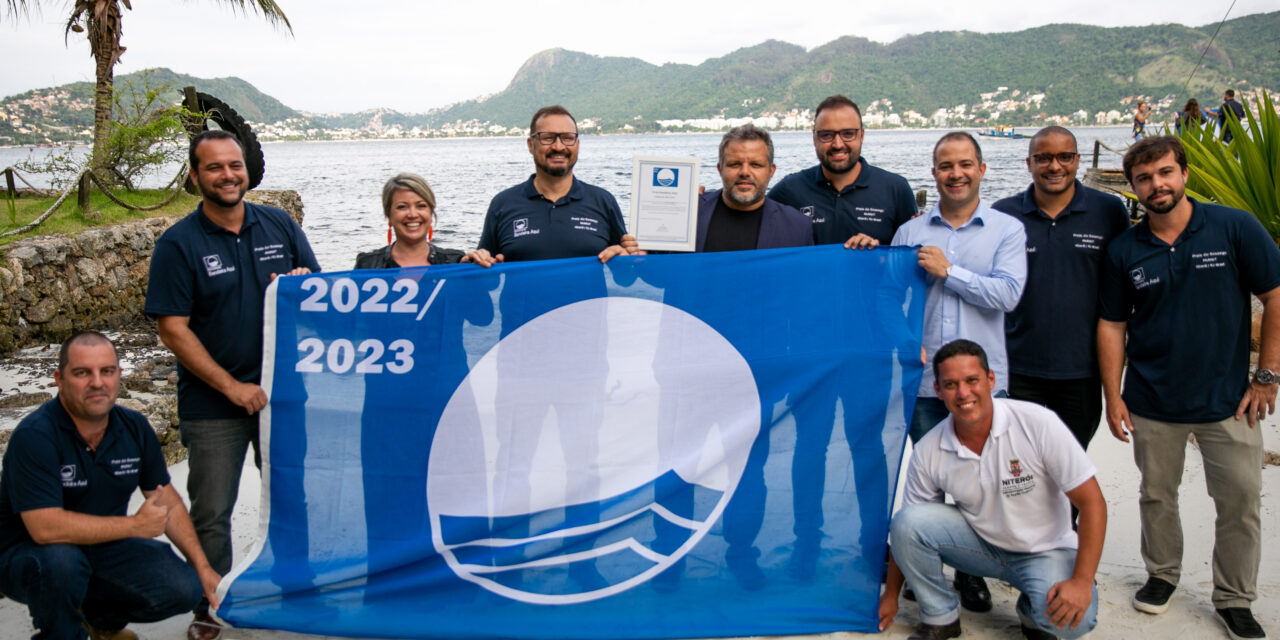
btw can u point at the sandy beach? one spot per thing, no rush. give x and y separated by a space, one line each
1189 617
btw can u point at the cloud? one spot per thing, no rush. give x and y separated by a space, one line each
346 56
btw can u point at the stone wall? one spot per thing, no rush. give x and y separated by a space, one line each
53 285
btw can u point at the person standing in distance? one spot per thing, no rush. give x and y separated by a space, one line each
209 273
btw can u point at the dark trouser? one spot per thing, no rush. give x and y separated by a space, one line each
113 584
928 413
216 450
1078 402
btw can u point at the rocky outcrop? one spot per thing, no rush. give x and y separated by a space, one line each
52 285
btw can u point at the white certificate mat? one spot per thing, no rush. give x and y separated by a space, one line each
664 203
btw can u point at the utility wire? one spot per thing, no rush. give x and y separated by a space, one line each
1206 47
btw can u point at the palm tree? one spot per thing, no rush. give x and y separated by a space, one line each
101 21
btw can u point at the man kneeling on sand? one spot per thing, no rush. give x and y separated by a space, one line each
68 549
1014 470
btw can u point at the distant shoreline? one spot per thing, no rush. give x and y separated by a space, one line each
72 145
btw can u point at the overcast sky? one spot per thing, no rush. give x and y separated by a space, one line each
414 55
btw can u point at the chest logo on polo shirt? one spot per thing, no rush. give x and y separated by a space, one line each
585 223
68 475
1209 260
213 265
1090 241
1021 483
869 214
1139 277
125 466
520 227
808 211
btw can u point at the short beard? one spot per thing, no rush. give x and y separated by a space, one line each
1173 202
746 201
558 172
838 170
216 198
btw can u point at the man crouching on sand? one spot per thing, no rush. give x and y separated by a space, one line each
1014 470
67 548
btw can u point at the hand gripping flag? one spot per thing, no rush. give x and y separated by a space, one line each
563 449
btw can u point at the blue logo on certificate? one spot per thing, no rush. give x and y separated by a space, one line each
666 177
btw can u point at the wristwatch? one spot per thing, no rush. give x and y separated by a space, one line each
1265 376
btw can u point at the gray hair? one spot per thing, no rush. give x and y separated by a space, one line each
411 182
745 133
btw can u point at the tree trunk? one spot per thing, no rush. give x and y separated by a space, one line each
104 56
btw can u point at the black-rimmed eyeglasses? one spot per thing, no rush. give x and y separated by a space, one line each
848 135
1043 159
546 138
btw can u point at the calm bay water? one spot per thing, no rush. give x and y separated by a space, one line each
341 182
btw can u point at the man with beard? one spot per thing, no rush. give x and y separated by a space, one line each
739 216
848 200
1052 332
976 266
552 214
1177 286
209 273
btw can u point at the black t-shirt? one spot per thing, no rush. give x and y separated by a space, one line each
733 230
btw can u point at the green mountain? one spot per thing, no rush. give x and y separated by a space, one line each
1075 66
66 112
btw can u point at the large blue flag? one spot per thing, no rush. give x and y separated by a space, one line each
564 449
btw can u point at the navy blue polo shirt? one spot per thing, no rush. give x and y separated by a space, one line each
48 464
1053 331
877 203
523 225
217 279
1188 311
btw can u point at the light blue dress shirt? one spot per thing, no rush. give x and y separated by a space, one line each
989 268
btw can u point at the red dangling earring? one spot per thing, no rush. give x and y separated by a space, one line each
430 232
388 232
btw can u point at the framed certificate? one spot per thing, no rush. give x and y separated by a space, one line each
664 203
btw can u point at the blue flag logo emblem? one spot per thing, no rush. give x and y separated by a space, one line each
517 498
666 177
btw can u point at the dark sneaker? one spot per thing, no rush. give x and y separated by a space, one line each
1032 633
126 634
1240 623
974 595
1154 596
936 632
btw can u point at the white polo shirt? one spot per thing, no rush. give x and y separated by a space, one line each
1014 494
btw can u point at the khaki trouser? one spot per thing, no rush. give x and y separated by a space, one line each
1232 453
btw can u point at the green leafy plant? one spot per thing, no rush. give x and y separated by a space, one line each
1244 173
145 136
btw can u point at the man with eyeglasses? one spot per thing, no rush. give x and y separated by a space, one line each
1052 333
853 203
849 201
551 215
